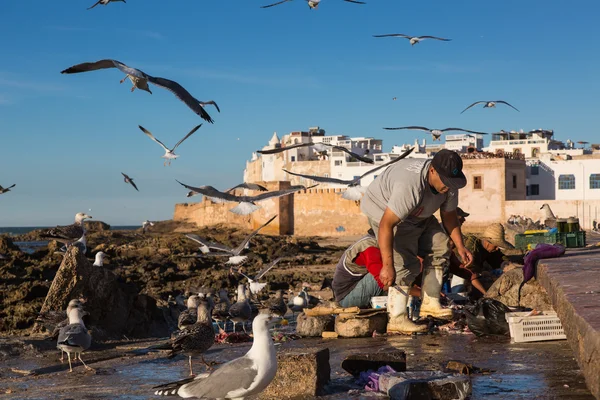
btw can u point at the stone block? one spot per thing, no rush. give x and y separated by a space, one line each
506 289
301 374
357 363
425 385
314 326
361 325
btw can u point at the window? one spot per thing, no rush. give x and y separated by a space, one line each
337 163
477 182
514 181
595 181
566 182
326 175
535 170
527 190
535 152
534 190
293 158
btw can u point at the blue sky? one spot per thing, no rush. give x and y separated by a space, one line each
66 138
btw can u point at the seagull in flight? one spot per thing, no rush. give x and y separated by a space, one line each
413 39
355 191
130 181
105 2
235 257
255 285
312 4
251 186
320 148
140 80
247 204
4 190
488 104
169 153
435 133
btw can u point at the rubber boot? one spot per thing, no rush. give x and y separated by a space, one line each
432 284
398 321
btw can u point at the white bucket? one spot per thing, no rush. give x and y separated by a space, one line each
379 301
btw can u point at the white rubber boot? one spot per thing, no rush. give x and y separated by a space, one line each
398 321
432 284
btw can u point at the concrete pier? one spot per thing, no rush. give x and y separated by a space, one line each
573 283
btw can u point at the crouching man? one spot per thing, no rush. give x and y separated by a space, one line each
356 277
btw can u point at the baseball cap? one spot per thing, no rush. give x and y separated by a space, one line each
448 165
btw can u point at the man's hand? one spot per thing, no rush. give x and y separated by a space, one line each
387 276
465 255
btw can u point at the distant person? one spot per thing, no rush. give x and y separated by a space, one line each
356 276
595 225
400 205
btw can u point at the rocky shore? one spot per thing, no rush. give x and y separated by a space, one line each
152 267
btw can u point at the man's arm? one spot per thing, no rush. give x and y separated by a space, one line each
450 221
385 239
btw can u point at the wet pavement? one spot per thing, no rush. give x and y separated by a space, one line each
543 370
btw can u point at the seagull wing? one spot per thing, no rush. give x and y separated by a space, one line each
210 245
187 136
361 158
463 130
149 134
276 4
403 155
14 184
98 2
211 102
321 178
266 269
125 175
474 104
251 186
133 184
282 149
183 95
277 193
210 191
355 1
393 34
433 37
420 128
242 245
504 102
91 66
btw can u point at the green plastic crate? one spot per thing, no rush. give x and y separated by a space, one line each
569 240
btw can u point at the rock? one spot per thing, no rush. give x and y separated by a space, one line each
425 385
96 226
314 326
114 308
506 288
361 325
301 373
7 245
357 363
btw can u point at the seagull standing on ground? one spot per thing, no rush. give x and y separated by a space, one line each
74 338
140 80
169 153
247 204
4 190
240 311
189 316
105 2
312 4
99 260
277 304
69 233
488 104
237 379
355 191
413 39
233 253
129 180
195 339
435 133
221 310
146 224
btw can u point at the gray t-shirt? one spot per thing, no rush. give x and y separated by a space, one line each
403 187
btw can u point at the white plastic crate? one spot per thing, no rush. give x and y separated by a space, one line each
379 301
534 328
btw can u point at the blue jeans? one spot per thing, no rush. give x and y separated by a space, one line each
361 295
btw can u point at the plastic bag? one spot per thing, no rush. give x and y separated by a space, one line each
486 317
